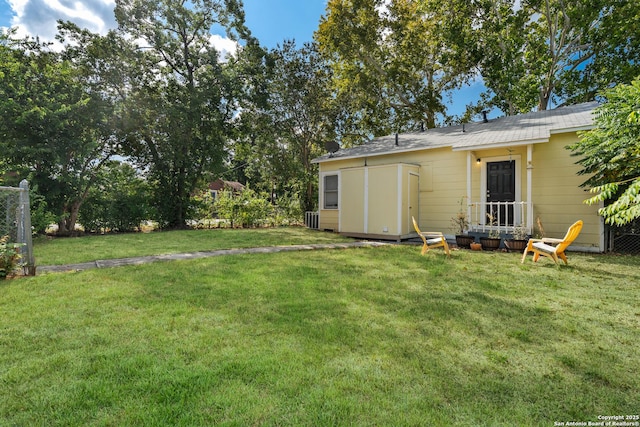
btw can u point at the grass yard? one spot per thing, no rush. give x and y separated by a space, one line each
369 336
58 251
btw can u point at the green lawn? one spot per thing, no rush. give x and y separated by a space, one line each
368 336
58 251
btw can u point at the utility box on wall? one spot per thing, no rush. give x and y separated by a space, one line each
378 201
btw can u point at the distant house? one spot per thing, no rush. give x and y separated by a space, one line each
515 168
219 185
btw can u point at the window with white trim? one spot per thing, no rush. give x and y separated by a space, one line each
330 188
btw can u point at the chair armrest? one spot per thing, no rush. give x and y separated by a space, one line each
549 240
543 247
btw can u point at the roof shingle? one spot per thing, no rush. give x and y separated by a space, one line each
522 129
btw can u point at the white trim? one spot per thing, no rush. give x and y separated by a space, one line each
571 129
399 201
585 249
501 144
469 182
530 187
518 183
485 146
321 196
602 229
322 176
365 225
417 208
384 153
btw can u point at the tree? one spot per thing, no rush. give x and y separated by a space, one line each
607 52
178 112
54 128
390 63
494 34
290 128
537 53
610 154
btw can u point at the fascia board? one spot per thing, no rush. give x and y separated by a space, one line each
501 145
385 153
572 129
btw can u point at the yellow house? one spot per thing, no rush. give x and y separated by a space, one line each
516 169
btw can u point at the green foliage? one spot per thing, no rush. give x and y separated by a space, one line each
119 201
286 127
41 216
9 257
289 210
391 64
245 208
181 104
610 154
56 129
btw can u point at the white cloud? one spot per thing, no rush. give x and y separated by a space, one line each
223 45
39 18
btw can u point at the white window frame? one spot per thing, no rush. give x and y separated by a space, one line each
322 190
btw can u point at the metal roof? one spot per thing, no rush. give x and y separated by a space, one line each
523 129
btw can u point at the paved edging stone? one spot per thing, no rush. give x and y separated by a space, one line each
109 263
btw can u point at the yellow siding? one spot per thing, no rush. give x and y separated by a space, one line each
383 196
442 185
556 192
449 185
557 195
328 219
373 200
352 195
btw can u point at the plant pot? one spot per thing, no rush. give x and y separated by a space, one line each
515 245
464 241
489 243
476 246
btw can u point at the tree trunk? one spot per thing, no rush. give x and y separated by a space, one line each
308 201
67 225
545 96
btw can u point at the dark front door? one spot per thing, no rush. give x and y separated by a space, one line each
501 187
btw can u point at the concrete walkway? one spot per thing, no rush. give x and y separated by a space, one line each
108 263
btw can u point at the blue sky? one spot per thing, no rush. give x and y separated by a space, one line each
272 21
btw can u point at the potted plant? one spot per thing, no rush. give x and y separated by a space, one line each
460 224
492 241
518 240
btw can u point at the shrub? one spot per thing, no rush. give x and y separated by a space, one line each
9 257
120 201
244 209
41 217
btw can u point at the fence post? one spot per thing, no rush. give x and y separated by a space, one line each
24 230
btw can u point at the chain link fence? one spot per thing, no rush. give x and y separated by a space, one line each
16 223
625 239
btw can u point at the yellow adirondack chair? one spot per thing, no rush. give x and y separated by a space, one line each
553 248
431 239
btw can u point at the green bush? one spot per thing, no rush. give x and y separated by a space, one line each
9 257
119 202
244 209
41 217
